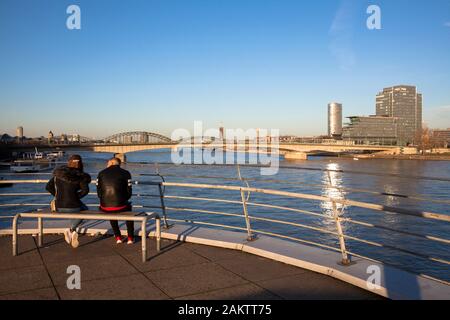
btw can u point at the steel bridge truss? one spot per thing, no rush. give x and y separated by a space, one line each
137 137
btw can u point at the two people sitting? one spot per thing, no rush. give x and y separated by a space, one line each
70 184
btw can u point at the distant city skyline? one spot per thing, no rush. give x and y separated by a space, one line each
161 65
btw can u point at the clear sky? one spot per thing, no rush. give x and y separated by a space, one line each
158 65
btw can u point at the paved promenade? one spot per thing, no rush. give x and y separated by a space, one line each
179 271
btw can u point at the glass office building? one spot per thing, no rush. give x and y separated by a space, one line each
405 103
372 130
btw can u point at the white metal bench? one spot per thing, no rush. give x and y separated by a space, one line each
141 217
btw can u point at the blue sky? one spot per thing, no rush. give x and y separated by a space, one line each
160 65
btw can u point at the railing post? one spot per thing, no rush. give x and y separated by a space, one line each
158 233
250 236
14 237
40 233
345 259
163 206
144 239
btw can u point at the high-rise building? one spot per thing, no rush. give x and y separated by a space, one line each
19 134
335 120
405 103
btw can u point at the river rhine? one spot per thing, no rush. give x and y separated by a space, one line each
363 180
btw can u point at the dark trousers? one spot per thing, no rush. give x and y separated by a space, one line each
115 223
116 230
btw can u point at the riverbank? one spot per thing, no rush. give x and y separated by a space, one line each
432 157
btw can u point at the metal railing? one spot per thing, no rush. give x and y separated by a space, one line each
89 216
336 215
251 233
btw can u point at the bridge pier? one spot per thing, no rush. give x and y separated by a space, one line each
121 156
296 156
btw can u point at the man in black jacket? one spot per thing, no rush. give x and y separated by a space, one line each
114 190
68 185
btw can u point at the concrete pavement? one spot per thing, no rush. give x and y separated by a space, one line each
179 271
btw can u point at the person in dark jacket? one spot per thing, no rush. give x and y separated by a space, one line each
68 185
114 190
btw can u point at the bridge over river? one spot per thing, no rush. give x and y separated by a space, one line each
127 142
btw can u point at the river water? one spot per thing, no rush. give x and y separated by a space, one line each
374 176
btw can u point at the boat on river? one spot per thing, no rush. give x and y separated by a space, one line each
31 166
32 162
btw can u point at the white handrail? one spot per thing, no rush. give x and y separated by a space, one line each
376 207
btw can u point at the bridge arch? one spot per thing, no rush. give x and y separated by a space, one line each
136 137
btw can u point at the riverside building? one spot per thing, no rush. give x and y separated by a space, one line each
398 119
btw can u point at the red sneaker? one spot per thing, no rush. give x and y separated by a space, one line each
130 240
118 240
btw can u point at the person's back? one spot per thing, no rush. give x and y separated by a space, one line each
69 185
114 188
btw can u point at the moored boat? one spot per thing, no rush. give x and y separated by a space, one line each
30 166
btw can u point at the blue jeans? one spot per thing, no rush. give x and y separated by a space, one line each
75 222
